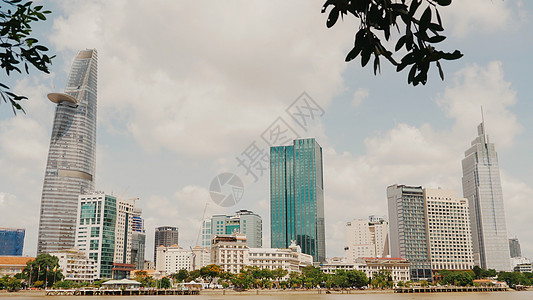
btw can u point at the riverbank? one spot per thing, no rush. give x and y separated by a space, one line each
274 292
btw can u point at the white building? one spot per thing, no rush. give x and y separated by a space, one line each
291 260
367 238
76 265
230 252
201 257
123 231
448 229
172 259
516 261
398 267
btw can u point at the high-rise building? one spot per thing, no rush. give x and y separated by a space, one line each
70 167
482 188
449 234
367 238
165 236
244 221
408 234
122 263
297 197
514 248
138 240
95 233
12 241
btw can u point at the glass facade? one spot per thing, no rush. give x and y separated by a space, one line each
70 167
12 241
482 187
95 232
244 221
408 233
297 197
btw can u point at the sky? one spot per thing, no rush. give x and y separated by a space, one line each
186 87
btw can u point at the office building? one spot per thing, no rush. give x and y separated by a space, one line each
449 234
520 262
297 197
230 252
482 187
12 241
244 221
408 235
95 233
367 238
70 167
201 257
514 248
138 240
206 233
75 265
122 263
165 236
172 259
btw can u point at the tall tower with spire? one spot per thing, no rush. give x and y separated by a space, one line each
71 164
482 187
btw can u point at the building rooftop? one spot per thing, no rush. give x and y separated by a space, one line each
15 260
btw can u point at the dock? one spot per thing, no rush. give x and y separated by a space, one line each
119 292
450 289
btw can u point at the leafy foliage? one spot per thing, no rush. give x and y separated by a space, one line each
42 269
420 33
515 278
17 47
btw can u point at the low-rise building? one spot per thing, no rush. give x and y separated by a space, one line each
12 265
523 268
398 267
291 260
76 265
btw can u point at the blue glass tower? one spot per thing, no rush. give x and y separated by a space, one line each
11 241
297 197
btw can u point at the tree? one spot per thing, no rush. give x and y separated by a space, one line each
459 278
181 275
380 17
17 46
477 271
514 278
165 283
210 272
357 278
44 268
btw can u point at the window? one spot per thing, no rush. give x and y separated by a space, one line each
95 231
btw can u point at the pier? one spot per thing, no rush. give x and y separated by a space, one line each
119 292
450 289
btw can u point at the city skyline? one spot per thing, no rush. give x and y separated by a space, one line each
171 108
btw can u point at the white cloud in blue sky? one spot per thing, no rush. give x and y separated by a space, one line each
184 87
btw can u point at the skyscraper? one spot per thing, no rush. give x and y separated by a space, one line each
297 197
138 240
408 233
70 167
165 236
482 188
12 241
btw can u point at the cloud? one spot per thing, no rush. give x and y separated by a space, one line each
196 78
477 16
423 155
359 96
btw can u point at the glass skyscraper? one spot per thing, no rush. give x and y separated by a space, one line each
244 221
12 241
70 167
297 197
482 188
